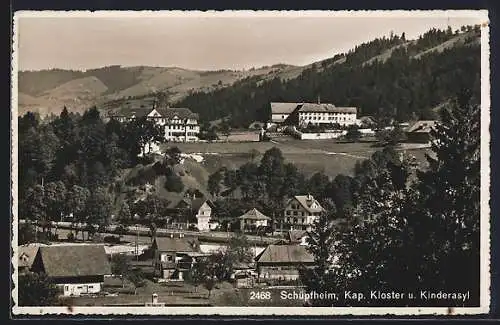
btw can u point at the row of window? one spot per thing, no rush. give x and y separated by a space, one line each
330 118
324 113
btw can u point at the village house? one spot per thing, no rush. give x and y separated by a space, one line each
194 210
282 262
76 269
281 111
299 214
179 124
26 255
174 256
420 131
252 220
297 237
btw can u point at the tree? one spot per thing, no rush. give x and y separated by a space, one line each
152 231
121 231
124 215
222 263
174 183
241 248
197 273
26 234
98 207
76 203
209 284
137 278
37 290
120 265
353 134
321 245
34 204
225 128
214 181
173 156
451 193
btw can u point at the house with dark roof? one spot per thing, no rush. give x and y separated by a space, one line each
296 237
299 214
179 123
196 210
282 262
26 254
76 269
281 111
174 256
420 131
252 220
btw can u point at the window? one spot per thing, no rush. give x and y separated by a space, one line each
66 288
302 213
303 220
295 213
91 287
288 212
294 220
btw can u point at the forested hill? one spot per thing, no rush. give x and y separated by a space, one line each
386 77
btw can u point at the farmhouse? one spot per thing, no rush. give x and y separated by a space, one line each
173 257
282 261
76 269
180 124
281 111
26 255
299 214
420 131
197 210
253 219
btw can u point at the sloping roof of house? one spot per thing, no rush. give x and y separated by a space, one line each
296 235
198 202
326 107
180 112
30 252
74 261
254 214
179 245
285 254
283 108
307 201
423 126
195 203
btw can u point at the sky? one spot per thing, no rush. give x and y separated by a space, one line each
204 41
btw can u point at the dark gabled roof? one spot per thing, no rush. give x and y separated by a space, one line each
26 255
180 112
296 235
307 201
74 260
197 203
283 108
285 254
178 245
312 107
254 214
423 126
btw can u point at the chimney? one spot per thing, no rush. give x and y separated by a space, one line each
319 101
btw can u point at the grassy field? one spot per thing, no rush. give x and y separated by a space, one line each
310 156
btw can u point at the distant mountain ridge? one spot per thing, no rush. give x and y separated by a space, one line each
48 91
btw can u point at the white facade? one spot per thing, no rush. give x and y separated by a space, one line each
77 289
176 128
332 117
203 217
279 117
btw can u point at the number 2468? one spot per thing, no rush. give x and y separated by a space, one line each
260 295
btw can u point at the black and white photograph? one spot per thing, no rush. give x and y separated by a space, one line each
250 163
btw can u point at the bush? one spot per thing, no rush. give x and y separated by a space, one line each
70 236
112 239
